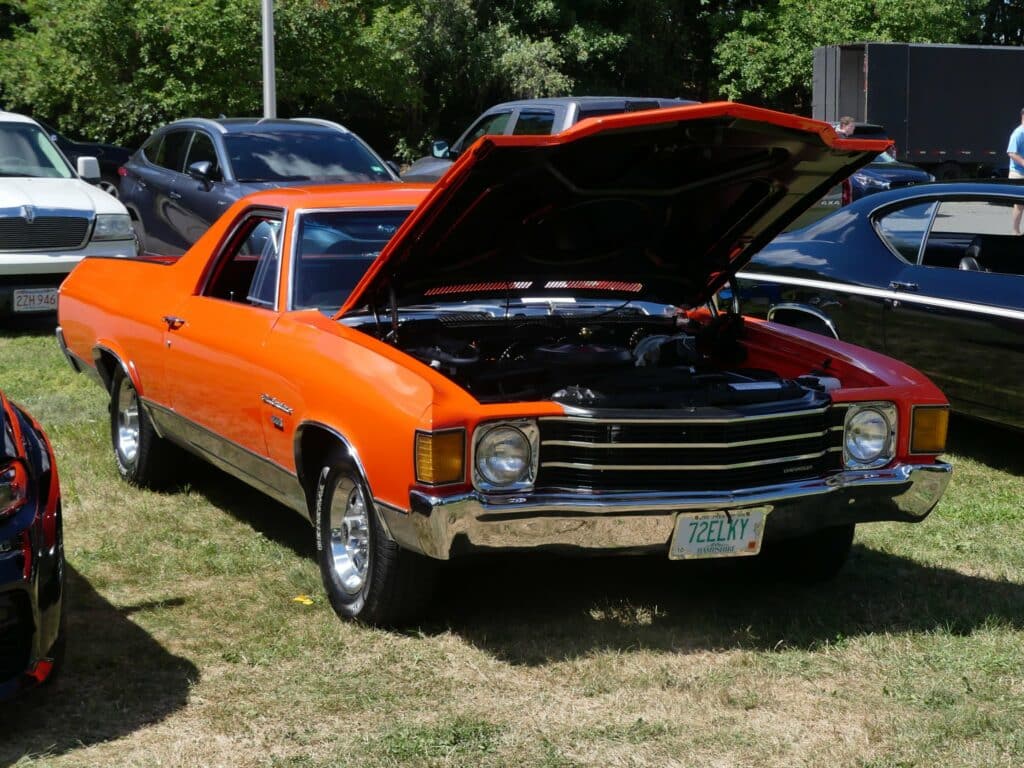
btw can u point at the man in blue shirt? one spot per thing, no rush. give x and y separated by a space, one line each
1016 152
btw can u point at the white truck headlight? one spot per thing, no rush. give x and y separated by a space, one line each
869 438
112 226
505 456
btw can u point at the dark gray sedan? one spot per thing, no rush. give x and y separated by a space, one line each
190 171
529 117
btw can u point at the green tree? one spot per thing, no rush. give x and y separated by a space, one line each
768 58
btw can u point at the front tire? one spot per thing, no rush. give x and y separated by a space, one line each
143 458
366 575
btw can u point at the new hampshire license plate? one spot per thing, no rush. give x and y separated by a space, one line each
718 534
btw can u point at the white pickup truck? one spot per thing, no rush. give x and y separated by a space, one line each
50 217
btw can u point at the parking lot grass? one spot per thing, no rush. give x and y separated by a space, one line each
187 646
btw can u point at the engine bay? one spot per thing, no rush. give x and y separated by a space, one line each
634 362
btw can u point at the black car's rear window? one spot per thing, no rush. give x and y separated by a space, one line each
302 155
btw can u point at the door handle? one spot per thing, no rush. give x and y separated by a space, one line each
174 195
173 322
900 285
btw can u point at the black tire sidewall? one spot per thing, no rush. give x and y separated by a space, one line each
328 481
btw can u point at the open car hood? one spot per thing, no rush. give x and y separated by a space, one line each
663 205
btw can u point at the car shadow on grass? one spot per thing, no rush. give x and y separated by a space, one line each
994 445
116 679
43 324
532 611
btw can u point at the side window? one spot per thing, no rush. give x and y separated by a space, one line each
247 270
172 151
201 150
534 123
904 229
975 235
488 125
151 150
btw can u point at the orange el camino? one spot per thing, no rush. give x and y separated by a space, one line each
525 356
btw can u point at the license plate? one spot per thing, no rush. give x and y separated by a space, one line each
735 533
35 300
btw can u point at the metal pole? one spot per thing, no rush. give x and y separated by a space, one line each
269 86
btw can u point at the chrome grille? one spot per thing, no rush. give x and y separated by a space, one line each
585 454
44 233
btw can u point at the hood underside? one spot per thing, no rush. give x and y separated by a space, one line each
662 205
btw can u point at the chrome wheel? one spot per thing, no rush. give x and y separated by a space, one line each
127 421
349 536
109 187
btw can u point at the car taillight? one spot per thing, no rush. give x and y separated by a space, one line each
122 171
847 192
13 488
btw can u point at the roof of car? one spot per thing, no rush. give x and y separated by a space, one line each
227 125
590 101
14 117
379 194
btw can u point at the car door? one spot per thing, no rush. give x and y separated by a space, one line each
157 205
957 314
215 351
200 202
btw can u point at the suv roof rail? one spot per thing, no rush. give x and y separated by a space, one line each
324 123
209 123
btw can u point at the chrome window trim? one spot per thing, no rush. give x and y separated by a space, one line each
296 220
905 297
791 306
257 211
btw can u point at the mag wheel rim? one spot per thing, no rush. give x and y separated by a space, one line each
350 536
127 422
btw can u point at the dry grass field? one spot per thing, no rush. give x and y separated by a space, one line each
187 646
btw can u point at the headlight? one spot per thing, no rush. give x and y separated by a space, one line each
505 456
112 226
869 438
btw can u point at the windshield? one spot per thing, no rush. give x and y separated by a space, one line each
335 248
27 151
314 155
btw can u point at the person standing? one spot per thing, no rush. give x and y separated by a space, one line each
1016 152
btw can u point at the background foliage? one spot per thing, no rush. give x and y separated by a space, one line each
403 71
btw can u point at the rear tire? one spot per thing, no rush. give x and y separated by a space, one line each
815 557
366 575
143 458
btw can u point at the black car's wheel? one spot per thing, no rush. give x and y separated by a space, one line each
366 575
143 458
815 557
108 185
139 236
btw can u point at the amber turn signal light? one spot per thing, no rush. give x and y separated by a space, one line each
928 429
440 457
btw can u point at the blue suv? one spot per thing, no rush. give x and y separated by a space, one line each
190 171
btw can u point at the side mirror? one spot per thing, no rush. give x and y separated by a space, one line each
202 171
88 168
440 149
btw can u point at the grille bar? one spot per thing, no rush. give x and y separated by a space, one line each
734 444
44 232
729 420
680 467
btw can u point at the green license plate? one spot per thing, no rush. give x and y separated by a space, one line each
736 533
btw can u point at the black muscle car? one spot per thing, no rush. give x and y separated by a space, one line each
932 275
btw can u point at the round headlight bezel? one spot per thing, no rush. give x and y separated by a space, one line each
869 435
487 469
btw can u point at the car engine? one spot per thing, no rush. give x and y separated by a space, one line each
612 362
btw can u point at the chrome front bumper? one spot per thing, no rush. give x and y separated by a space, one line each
444 526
